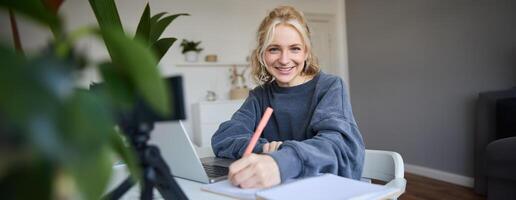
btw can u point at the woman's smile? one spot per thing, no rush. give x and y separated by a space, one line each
284 70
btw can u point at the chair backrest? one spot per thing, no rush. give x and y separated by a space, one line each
383 165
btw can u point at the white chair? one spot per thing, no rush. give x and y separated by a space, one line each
385 166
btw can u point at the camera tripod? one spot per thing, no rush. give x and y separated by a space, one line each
156 173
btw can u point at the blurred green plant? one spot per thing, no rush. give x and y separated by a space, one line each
51 132
188 45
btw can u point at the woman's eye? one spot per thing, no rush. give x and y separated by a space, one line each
296 49
273 50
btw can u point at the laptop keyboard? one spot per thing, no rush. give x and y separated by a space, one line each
215 171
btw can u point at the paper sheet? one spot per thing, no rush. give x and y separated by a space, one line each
327 186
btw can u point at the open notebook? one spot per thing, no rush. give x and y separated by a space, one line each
327 186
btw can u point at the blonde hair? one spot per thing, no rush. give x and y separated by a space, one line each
282 15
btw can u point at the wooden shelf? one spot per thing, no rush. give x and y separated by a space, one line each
208 64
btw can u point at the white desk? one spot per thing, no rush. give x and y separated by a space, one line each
192 189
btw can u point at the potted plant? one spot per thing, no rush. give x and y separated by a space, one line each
58 141
191 50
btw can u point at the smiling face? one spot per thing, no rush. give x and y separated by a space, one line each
285 56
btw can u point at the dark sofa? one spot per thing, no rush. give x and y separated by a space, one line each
495 145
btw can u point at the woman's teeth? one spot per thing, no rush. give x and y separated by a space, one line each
284 69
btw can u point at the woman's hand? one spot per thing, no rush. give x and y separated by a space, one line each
254 171
271 146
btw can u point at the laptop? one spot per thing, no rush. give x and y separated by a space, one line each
179 153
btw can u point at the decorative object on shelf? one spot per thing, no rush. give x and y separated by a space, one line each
191 50
239 89
211 96
211 58
238 93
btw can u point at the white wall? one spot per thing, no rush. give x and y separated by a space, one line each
225 27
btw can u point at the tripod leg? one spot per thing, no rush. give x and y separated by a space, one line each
171 190
149 181
165 182
120 189
156 172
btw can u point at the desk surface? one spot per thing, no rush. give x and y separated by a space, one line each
192 189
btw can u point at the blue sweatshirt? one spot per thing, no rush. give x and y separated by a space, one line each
314 120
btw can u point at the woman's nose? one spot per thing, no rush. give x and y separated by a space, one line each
284 59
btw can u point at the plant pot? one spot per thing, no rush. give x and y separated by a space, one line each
191 56
238 93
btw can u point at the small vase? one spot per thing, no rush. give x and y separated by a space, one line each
238 93
191 56
211 96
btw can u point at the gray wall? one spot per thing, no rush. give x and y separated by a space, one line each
416 67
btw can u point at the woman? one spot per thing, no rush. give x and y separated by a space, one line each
312 129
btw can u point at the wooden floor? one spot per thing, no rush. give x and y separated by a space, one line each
419 187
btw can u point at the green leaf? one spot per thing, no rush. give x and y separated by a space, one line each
35 10
143 29
162 45
32 80
85 120
117 85
80 33
87 123
127 154
14 72
140 64
158 16
28 181
92 173
106 14
154 20
158 28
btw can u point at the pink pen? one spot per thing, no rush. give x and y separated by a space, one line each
258 131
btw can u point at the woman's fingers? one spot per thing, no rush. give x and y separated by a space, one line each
243 176
251 182
239 165
274 146
266 148
271 146
254 171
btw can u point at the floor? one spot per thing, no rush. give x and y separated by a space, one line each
419 187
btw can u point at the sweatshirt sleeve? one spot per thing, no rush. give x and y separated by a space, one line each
336 148
231 138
